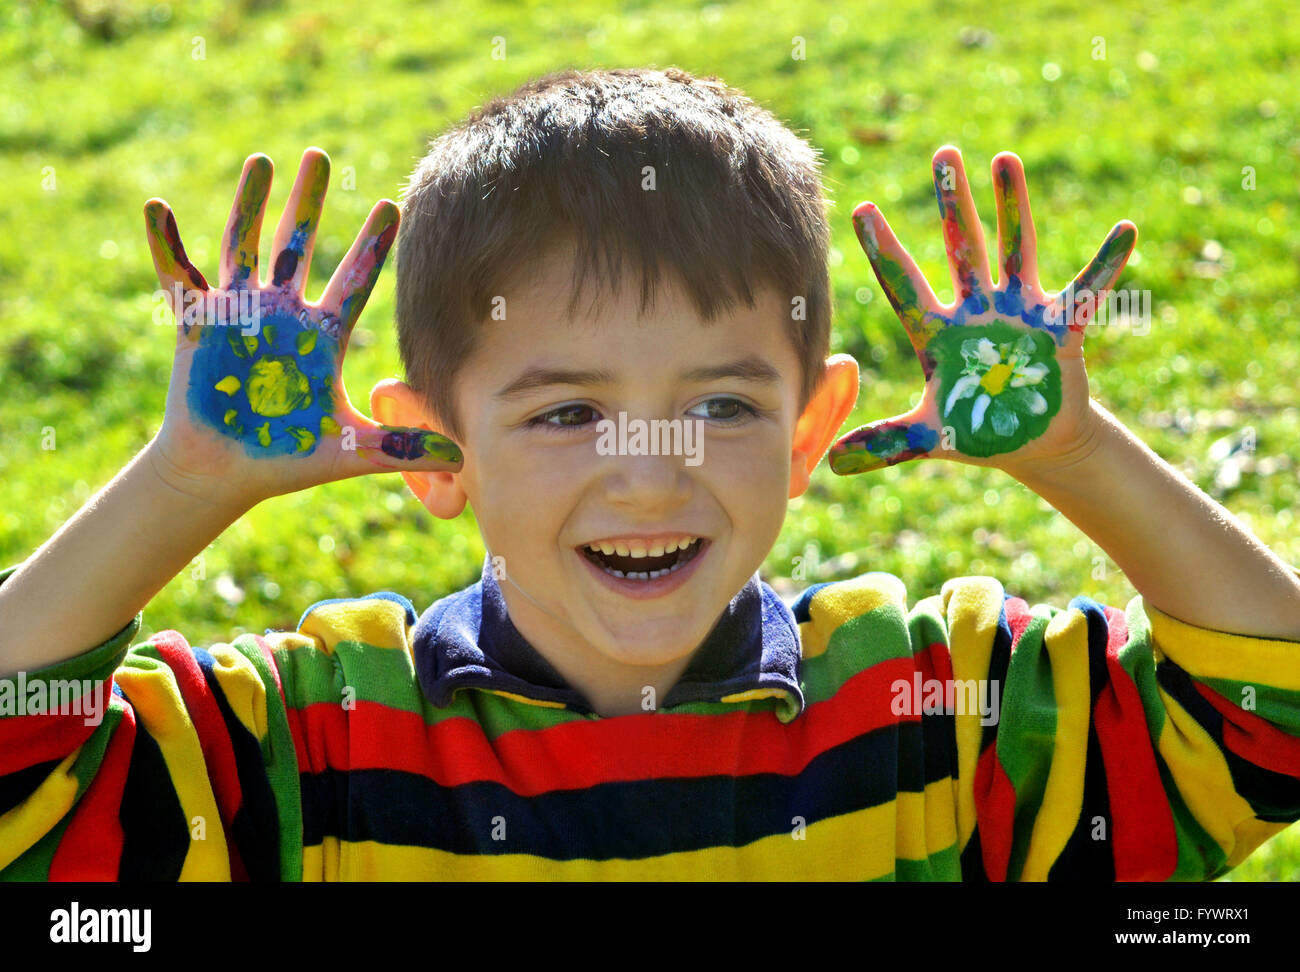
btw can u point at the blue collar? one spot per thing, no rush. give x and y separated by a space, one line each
467 640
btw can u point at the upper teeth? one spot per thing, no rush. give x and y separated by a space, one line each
641 548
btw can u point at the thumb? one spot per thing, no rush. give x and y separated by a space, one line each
886 442
368 447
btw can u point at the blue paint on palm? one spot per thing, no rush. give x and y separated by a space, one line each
273 390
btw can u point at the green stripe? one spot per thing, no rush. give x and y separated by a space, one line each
1281 707
91 757
855 646
1026 736
1199 854
281 761
34 863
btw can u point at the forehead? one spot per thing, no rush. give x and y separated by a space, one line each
541 310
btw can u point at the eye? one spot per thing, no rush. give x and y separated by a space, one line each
566 418
727 410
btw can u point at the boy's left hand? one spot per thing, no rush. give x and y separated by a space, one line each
1004 375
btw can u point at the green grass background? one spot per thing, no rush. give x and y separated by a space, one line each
98 116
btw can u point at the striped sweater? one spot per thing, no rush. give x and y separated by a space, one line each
968 736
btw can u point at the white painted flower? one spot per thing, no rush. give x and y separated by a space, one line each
1003 377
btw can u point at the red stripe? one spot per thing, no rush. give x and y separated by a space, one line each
995 811
1143 838
584 753
1254 739
935 662
270 661
91 847
1018 617
201 705
26 740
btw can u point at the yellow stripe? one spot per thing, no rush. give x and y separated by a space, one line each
1203 653
152 689
1250 835
832 606
544 703
243 687
853 847
940 816
23 825
972 606
1201 774
909 830
374 621
1066 639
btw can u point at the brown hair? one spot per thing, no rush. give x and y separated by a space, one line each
737 205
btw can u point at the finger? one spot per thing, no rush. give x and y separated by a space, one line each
378 447
885 442
904 285
962 234
349 288
295 236
1017 239
176 273
244 228
1076 303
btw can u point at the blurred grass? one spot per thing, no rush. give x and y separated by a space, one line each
1152 115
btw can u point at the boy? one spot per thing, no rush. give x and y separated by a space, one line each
620 695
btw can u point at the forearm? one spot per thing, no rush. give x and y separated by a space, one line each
102 566
1186 555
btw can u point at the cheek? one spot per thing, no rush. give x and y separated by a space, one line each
753 479
526 497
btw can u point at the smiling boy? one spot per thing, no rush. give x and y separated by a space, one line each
620 695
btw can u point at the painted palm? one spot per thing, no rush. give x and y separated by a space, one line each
1003 365
256 362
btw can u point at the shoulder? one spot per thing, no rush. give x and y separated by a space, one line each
380 620
877 603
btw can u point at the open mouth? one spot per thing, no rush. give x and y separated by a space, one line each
643 563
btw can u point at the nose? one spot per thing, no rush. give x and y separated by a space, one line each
647 483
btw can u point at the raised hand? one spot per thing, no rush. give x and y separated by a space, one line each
256 388
1003 366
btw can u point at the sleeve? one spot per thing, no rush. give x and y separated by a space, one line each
156 761
1126 745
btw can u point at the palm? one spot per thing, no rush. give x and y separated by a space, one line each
257 373
1003 365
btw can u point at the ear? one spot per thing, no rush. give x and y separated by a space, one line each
826 412
394 402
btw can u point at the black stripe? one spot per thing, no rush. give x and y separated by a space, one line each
1084 857
20 784
156 835
255 829
629 820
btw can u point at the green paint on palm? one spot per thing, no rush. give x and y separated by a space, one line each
999 386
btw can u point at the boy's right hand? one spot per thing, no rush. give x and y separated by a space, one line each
256 405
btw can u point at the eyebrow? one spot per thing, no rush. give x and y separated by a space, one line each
750 368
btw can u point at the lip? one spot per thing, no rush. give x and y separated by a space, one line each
648 590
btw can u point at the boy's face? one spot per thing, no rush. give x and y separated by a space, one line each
545 486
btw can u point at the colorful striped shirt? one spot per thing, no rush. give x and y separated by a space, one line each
968 736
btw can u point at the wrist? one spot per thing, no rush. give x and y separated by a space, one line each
224 496
1064 464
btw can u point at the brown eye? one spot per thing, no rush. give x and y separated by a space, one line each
725 409
566 417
